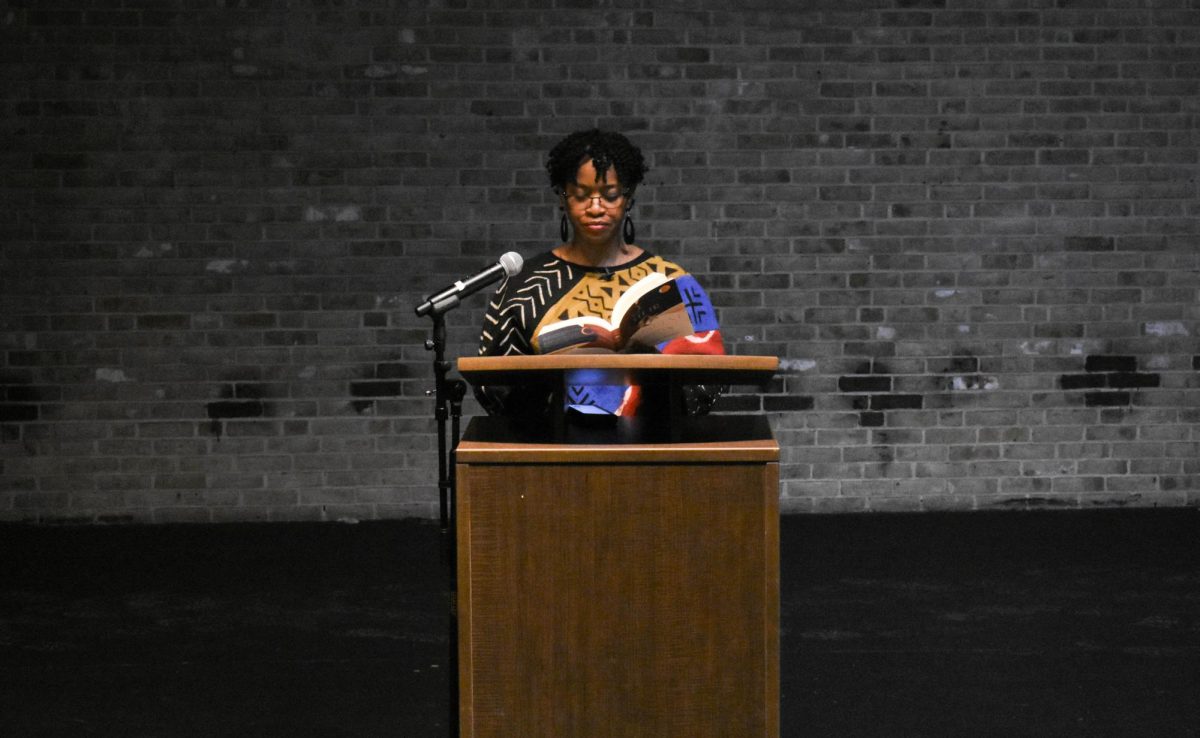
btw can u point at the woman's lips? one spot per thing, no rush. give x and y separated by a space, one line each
598 226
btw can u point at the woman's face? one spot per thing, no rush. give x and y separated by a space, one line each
595 206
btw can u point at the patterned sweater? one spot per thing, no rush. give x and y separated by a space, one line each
549 289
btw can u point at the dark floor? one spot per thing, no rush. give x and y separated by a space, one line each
1004 624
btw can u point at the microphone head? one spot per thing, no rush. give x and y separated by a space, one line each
511 262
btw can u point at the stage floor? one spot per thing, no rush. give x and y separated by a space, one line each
1007 624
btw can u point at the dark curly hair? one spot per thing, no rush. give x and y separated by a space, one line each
605 149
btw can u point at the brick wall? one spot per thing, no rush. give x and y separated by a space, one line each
969 229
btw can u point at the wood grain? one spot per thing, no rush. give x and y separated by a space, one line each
610 599
727 451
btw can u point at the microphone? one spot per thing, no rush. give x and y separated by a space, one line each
449 297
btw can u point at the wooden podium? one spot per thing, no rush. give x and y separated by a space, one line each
619 579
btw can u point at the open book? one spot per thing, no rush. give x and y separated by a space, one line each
656 309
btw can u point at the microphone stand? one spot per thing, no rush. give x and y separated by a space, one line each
448 396
448 406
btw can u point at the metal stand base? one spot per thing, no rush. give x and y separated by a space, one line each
448 395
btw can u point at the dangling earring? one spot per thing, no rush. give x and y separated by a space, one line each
563 230
628 230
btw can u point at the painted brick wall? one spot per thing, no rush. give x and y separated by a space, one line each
968 227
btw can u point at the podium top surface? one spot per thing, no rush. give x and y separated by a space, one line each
692 368
707 439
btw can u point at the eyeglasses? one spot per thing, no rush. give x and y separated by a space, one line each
608 199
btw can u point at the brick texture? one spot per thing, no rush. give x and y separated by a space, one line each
970 230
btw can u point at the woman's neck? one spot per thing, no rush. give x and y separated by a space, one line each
598 255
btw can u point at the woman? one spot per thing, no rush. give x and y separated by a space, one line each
569 297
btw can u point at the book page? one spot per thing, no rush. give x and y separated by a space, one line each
631 296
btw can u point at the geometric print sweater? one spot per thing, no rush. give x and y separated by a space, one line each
549 289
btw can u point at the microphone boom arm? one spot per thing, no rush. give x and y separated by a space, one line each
449 298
